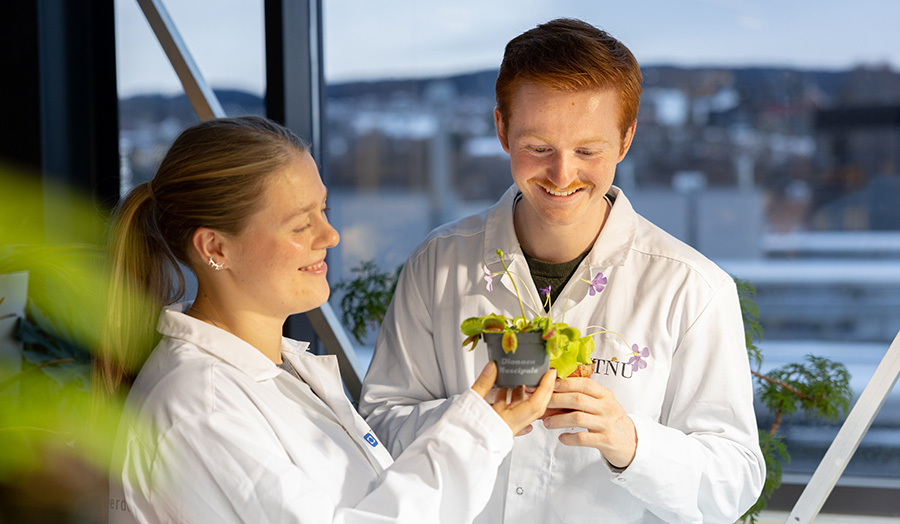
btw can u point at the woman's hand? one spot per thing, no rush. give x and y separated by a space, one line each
517 407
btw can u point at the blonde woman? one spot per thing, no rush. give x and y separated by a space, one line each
233 422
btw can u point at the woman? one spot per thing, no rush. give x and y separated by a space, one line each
234 423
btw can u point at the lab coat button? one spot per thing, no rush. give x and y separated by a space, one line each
519 490
620 479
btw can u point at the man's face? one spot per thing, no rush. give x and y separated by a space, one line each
563 147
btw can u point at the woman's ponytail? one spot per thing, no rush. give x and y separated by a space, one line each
144 276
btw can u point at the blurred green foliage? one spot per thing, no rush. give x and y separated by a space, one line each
55 438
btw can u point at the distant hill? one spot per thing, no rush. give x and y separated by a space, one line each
156 108
480 82
757 86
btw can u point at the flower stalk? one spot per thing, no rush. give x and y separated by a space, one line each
516 288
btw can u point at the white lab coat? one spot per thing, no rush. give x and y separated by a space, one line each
221 434
698 456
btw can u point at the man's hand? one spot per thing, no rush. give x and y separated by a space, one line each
516 407
582 403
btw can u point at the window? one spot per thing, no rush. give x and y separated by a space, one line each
763 140
227 44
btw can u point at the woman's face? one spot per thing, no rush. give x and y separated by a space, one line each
278 261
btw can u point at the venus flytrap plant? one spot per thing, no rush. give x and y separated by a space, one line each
568 350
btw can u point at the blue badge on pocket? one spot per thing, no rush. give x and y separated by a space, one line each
370 438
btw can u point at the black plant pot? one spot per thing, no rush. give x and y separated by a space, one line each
526 366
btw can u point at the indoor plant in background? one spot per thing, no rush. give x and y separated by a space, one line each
366 298
816 387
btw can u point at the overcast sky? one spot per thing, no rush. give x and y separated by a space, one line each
366 39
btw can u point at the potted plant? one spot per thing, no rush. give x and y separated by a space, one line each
525 348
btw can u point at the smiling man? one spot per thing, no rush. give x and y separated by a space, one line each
663 431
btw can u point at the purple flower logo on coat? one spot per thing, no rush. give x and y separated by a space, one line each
597 284
637 358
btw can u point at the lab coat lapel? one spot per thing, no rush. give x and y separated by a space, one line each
322 374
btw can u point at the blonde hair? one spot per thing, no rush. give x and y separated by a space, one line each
214 176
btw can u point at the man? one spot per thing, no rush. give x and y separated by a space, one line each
670 436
